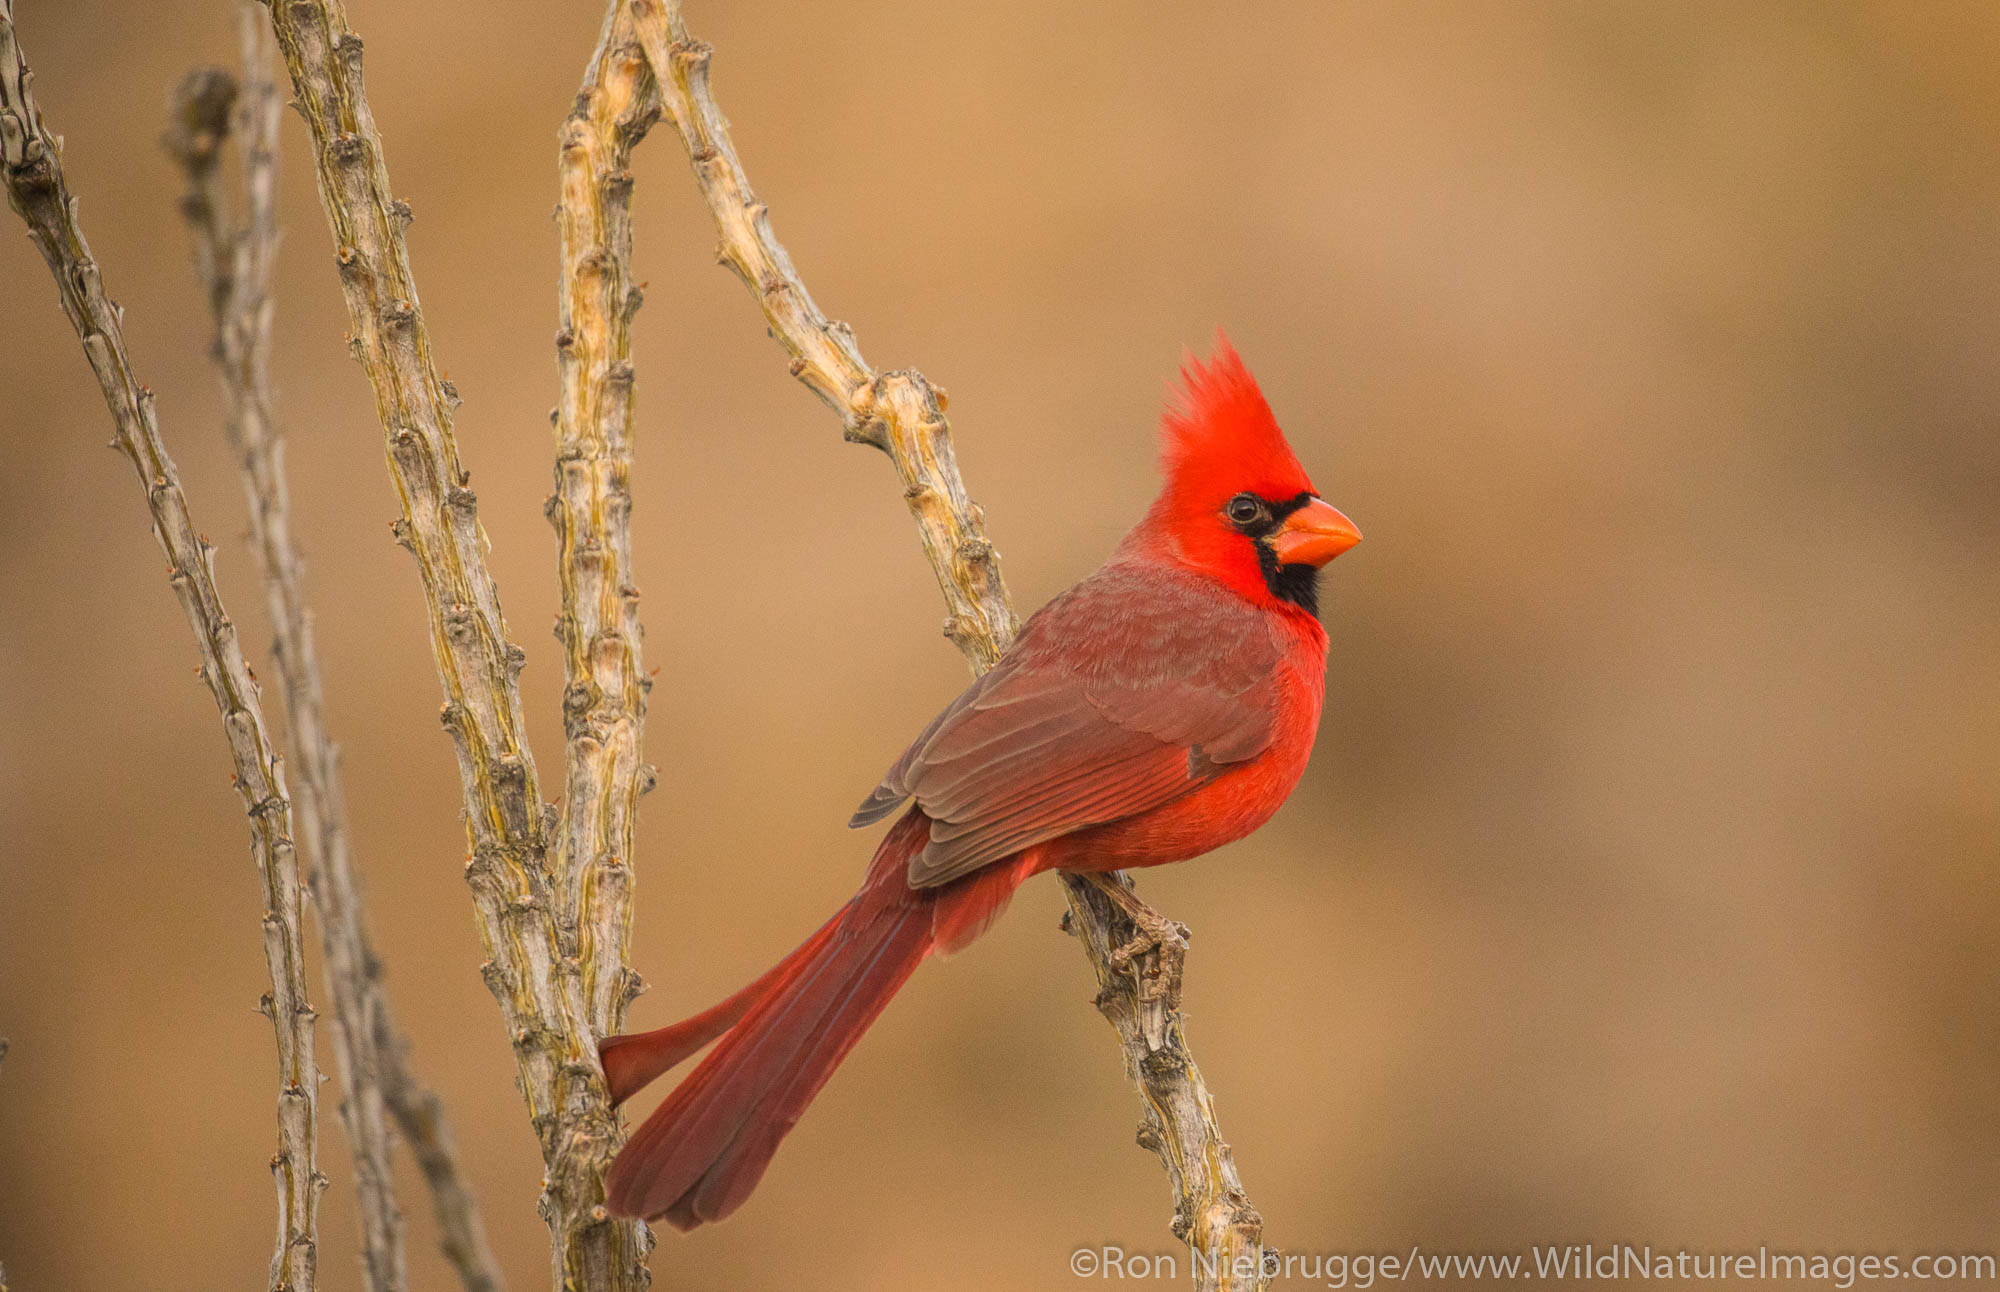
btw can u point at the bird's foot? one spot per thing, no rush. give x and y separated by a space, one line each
1152 932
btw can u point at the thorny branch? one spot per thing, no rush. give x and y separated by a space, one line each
532 966
898 412
604 697
903 415
31 160
234 265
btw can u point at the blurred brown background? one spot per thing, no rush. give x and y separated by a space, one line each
1643 887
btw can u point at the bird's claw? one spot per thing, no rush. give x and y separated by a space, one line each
1166 937
1152 932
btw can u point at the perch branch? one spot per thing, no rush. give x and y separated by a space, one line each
532 966
31 159
233 265
604 697
903 415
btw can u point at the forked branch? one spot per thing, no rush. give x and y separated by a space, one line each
903 415
532 966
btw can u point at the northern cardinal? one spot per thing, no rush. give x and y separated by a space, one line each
1162 707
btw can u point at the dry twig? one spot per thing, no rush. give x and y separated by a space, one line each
897 412
234 267
903 415
604 700
420 1117
31 160
532 967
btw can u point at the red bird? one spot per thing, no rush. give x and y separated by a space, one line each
1162 707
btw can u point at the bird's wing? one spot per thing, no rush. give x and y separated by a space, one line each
1129 690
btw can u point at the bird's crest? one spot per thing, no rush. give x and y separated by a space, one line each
1219 432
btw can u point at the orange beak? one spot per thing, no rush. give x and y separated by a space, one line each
1313 535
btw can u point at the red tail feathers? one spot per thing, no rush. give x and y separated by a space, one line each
633 1061
701 1153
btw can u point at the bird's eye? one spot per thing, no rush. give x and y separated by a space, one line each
1245 509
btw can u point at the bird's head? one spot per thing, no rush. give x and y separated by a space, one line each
1236 504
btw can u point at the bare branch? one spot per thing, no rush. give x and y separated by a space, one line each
234 266
36 189
419 1115
898 412
532 956
1137 955
903 415
604 699
199 121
